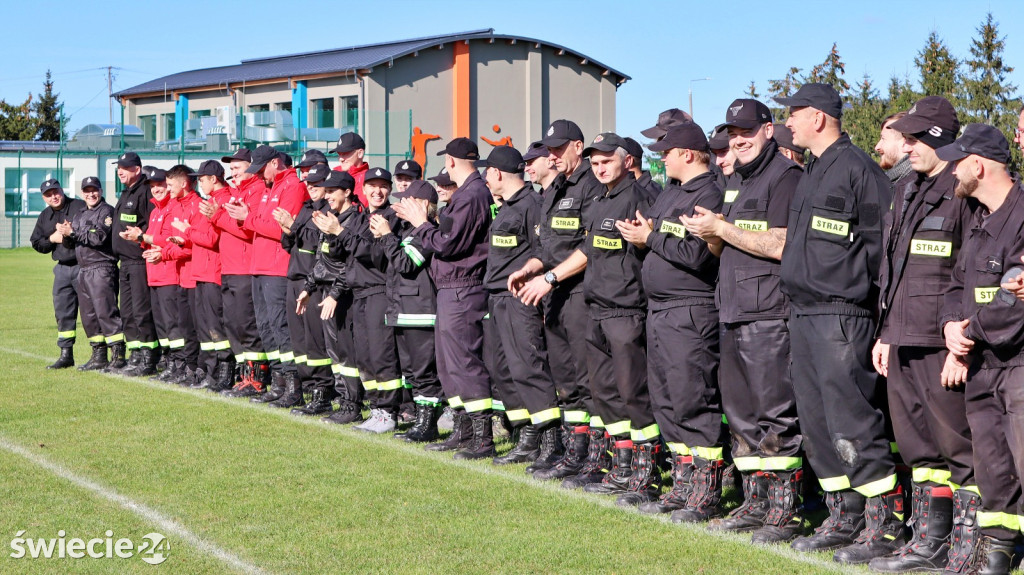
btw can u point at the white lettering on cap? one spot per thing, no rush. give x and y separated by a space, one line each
935 131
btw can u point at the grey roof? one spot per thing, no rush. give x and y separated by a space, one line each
338 60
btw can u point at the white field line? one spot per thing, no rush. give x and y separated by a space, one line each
522 478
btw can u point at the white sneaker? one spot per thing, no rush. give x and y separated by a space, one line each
365 426
384 422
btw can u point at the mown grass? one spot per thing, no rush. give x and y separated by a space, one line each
290 495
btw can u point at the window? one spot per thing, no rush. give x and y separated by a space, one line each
148 126
260 108
284 107
198 114
21 189
350 109
323 113
169 133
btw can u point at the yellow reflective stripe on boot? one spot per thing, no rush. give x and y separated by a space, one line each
678 448
455 402
134 344
998 519
648 433
617 428
300 359
876 488
833 484
389 385
596 422
96 339
709 453
115 338
66 334
517 415
749 463
477 405
318 362
575 416
545 416
780 463
923 474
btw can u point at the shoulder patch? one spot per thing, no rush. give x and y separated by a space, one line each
107 221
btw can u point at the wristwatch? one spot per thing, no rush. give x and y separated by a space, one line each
551 278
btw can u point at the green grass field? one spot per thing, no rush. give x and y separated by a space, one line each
239 487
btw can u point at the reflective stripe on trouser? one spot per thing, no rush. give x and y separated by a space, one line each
65 303
617 362
520 338
97 302
377 354
995 411
757 395
135 302
208 311
174 323
835 386
930 422
239 317
338 340
459 345
270 300
682 374
565 322
416 358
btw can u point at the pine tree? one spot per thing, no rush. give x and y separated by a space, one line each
940 71
901 95
782 88
863 116
16 121
47 111
830 72
752 91
987 96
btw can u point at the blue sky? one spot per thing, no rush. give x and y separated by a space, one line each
661 45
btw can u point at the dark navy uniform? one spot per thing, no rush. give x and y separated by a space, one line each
65 272
132 209
97 294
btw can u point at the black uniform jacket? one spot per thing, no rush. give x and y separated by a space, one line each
91 231
301 243
133 208
412 300
47 224
562 230
513 238
459 241
331 259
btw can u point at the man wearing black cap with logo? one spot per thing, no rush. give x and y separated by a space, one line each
928 225
830 267
682 331
132 209
539 166
565 312
350 149
724 158
445 186
89 233
984 331
643 177
757 393
459 245
46 239
406 172
667 119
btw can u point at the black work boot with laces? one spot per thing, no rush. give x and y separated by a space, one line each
98 360
931 523
616 481
645 482
597 463
750 515
577 441
66 359
783 521
318 405
845 521
526 449
884 529
675 498
347 412
990 557
292 396
552 449
705 494
276 390
482 444
965 539
461 435
424 428
117 359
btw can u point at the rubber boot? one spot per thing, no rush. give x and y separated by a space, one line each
750 515
526 449
578 440
461 435
783 521
597 464
552 448
884 529
425 426
65 360
616 481
682 472
844 522
645 481
98 360
482 444
931 524
276 390
117 360
292 396
966 535
706 492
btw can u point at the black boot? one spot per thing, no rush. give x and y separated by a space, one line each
170 371
966 535
66 359
276 391
98 360
705 494
845 521
347 412
186 376
117 360
884 531
425 426
292 395
223 377
577 441
616 481
527 447
482 444
682 472
552 448
990 557
318 404
565 431
134 359
931 524
148 360
163 358
253 382
461 435
645 481
750 515
597 464
783 522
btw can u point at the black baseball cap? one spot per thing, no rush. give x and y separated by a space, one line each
442 178
317 174
409 168
746 113
505 159
49 185
932 120
536 150
338 179
978 139
560 132
666 119
377 174
784 138
242 155
462 148
128 160
311 158
349 141
419 189
684 136
154 174
211 168
818 96
261 156
633 148
606 142
719 140
92 182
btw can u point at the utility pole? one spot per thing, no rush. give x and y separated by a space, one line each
691 92
110 93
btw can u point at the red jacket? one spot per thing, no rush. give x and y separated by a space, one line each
205 251
236 241
164 272
185 208
359 174
268 257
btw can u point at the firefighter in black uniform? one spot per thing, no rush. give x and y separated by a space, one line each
922 238
984 331
459 245
89 232
47 240
680 273
565 310
412 309
132 210
830 268
757 391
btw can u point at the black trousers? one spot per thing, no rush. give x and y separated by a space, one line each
995 410
520 330
97 301
208 312
682 376
565 323
757 395
340 345
377 354
930 422
135 305
459 341
419 367
65 303
617 361
837 402
173 315
240 318
296 325
503 390
269 298
311 359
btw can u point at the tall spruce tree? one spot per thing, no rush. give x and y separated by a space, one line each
782 88
863 114
830 72
47 110
939 69
987 95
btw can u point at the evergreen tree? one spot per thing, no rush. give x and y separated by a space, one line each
830 72
16 121
863 115
901 95
752 91
987 96
939 70
782 88
47 111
